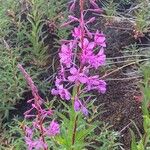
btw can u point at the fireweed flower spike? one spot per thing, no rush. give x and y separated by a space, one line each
39 118
85 51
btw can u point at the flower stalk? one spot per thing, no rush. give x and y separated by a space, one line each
38 118
74 129
77 57
78 86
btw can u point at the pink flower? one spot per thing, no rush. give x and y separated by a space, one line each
95 83
101 87
92 81
64 93
76 76
77 105
88 57
66 54
60 90
87 50
53 129
35 144
84 110
87 45
29 132
54 92
97 60
99 39
77 32
30 144
58 82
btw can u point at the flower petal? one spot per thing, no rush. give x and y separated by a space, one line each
72 78
82 79
73 70
54 92
84 111
91 45
77 105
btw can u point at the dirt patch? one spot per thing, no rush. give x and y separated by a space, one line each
119 100
121 107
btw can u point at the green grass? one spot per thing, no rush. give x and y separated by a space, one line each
22 40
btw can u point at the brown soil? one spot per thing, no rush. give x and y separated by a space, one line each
121 107
119 100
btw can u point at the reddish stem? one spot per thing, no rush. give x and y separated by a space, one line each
37 102
82 22
74 130
81 66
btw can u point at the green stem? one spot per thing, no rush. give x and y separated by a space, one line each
74 130
145 139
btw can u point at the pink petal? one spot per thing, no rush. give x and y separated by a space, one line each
53 129
101 39
83 79
73 70
102 90
72 78
103 44
64 48
84 111
85 42
101 52
77 32
54 92
91 45
67 95
76 105
102 86
60 87
57 82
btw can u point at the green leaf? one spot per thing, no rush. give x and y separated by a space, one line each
133 142
140 146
